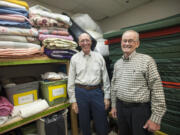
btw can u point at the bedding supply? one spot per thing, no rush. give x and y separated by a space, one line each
10 4
56 43
41 21
30 109
5 106
18 31
45 36
39 10
25 39
19 2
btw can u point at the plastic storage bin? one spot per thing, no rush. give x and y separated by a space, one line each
23 93
55 124
54 92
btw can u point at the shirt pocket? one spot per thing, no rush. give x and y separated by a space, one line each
95 69
138 77
80 68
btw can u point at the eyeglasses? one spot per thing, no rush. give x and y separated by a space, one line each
129 41
85 40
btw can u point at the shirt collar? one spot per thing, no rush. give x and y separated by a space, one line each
130 56
82 53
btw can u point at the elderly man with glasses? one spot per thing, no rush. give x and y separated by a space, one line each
87 75
136 90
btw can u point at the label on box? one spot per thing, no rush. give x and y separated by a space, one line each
57 91
25 97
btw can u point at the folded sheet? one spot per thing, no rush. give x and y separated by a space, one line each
18 31
3 119
30 109
5 106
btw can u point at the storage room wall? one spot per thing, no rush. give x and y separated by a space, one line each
156 9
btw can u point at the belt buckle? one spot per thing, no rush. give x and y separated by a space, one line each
87 87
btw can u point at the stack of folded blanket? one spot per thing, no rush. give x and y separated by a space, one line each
53 32
17 37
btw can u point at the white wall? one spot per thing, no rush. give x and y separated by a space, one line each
157 9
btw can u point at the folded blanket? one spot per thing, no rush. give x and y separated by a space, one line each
10 4
30 109
56 43
3 119
5 53
5 107
16 45
18 31
53 28
15 24
24 39
59 53
38 21
14 17
18 11
54 32
43 37
39 10
19 2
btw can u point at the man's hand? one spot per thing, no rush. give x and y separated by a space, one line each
114 112
151 126
106 103
75 107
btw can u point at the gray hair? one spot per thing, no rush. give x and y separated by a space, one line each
84 34
133 31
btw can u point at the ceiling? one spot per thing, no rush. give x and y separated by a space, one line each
97 9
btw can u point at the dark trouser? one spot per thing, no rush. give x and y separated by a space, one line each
91 103
132 117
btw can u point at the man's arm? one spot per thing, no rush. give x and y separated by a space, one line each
113 90
71 82
158 106
113 96
106 85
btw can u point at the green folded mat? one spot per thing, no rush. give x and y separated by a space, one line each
170 78
154 25
170 130
169 67
172 118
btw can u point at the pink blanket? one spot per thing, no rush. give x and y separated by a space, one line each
5 107
43 36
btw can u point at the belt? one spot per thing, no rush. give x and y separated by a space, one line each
88 87
132 104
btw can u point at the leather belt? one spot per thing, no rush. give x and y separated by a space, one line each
132 104
88 87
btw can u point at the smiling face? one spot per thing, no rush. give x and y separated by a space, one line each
85 43
129 42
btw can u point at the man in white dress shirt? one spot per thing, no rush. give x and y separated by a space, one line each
87 74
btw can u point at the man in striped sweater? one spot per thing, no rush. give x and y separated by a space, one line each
136 90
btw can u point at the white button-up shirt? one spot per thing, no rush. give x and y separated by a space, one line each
87 70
